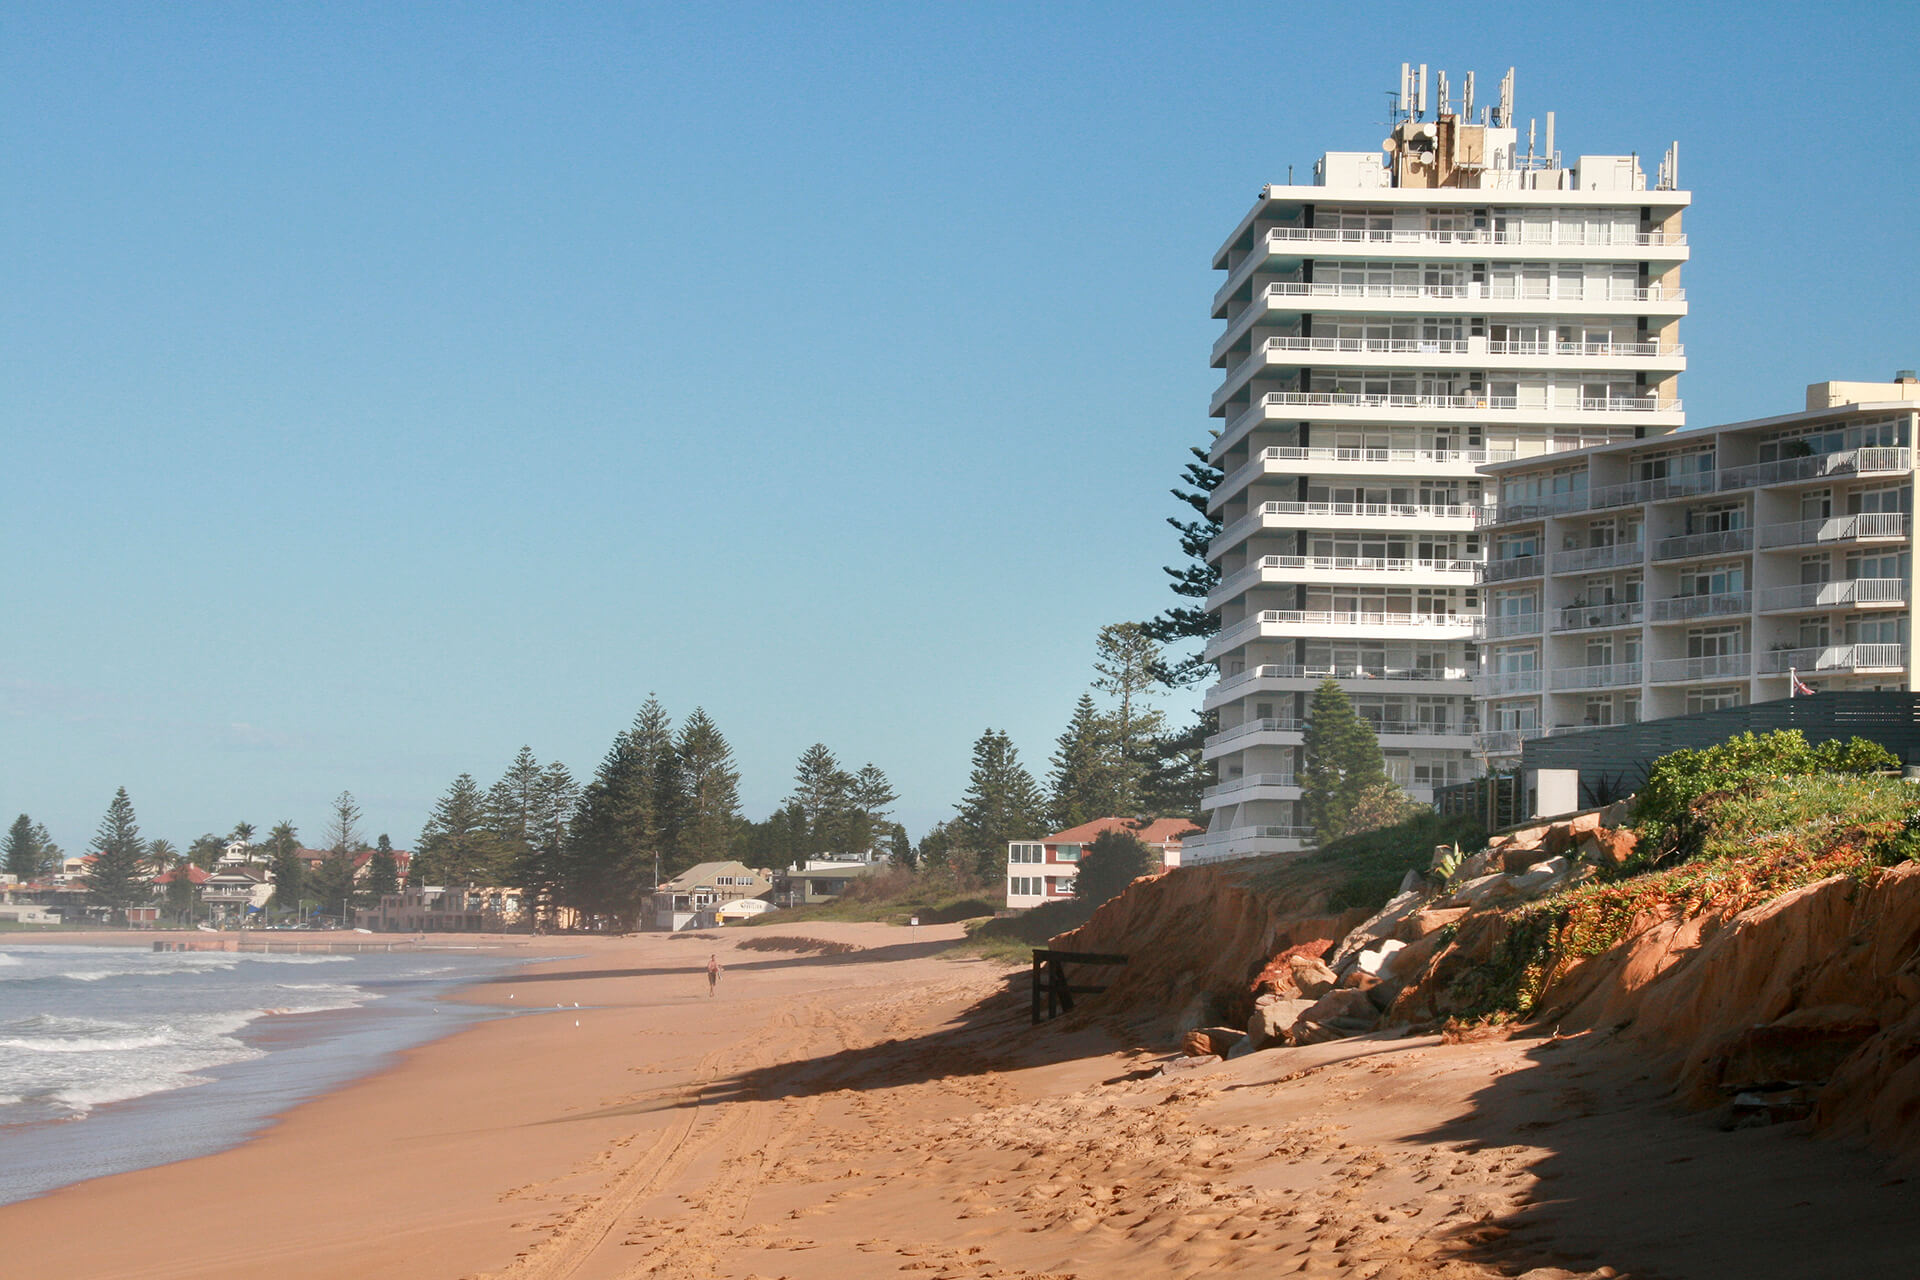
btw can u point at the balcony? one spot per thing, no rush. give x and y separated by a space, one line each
1721 666
1396 732
1836 658
1531 237
1270 675
1873 525
1846 593
1589 617
1286 460
1718 542
1501 684
1874 460
1283 623
1597 677
1505 742
1243 842
1501 626
1588 559
1659 489
1333 516
1509 570
1552 504
1685 608
1252 782
1235 738
1342 569
1291 351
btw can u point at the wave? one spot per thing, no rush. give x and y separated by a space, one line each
82 1045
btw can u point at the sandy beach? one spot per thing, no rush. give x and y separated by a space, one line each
888 1111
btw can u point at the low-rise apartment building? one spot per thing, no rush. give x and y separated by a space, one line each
1041 871
1708 568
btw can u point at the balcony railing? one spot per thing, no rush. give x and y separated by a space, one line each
1585 617
1802 533
1422 728
1500 626
1473 400
1572 236
1827 595
1268 724
1583 349
1685 485
1583 559
1296 671
1835 657
1500 684
1205 847
1597 677
1248 781
1360 618
1714 543
1376 510
1504 742
1876 460
1516 567
1871 460
1551 504
1498 290
1411 457
1681 608
1717 667
1364 564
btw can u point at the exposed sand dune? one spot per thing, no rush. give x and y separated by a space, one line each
888 1112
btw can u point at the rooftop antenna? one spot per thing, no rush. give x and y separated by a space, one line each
1466 99
1506 101
1446 99
1550 151
1530 125
1423 91
1673 166
1405 105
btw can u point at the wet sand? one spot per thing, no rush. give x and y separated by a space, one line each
889 1112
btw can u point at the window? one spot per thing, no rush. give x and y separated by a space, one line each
1024 853
1896 498
1066 853
1887 630
1025 886
1715 699
1879 564
1716 642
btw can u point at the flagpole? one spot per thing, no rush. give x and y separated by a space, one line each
1793 681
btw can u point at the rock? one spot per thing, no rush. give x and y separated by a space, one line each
1531 837
1374 960
1441 852
1427 921
1271 1022
1335 1016
1214 1041
1558 840
1515 859
1483 891
1311 978
1358 979
1542 878
1381 925
1617 814
1607 846
1412 882
1805 1047
1411 960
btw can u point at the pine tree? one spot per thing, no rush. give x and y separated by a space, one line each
615 850
710 791
383 870
1085 781
512 810
1125 664
113 878
823 792
453 848
1178 774
660 771
51 854
1001 804
541 873
870 799
23 850
1194 580
1341 762
284 868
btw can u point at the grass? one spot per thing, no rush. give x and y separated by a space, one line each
931 908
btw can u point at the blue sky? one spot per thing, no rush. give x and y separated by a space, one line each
384 387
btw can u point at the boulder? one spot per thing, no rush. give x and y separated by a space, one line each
1558 840
1428 921
1335 1016
1607 846
1311 978
1381 925
1374 960
1483 891
1516 858
1271 1021
1617 814
1411 961
1215 1041
1542 878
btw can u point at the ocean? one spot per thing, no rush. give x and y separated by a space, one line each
115 1058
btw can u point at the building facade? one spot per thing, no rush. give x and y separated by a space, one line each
1390 328
1042 871
1710 569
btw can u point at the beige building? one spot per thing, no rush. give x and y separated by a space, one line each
690 899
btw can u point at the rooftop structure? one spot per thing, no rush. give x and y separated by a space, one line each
1459 297
1709 569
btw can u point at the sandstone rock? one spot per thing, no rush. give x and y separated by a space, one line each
1608 846
1374 959
1428 921
1581 823
1805 1047
1271 1022
1215 1041
1410 961
1542 878
1515 859
1357 979
1558 840
1483 891
1311 978
1617 814
1381 925
1335 1016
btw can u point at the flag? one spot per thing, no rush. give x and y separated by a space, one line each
1796 687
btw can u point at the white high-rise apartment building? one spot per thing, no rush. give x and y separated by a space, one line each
1460 297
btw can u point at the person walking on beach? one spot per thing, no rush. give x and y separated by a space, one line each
713 974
